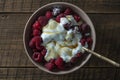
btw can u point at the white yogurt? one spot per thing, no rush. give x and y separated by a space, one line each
60 42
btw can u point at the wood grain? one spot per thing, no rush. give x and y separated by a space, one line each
89 6
117 73
12 53
15 65
36 74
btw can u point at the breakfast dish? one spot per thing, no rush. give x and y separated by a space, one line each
58 37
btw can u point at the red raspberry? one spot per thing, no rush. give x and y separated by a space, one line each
67 26
61 67
52 61
83 41
79 55
59 61
36 32
43 20
89 41
48 14
38 43
36 25
73 60
33 41
77 18
84 28
49 66
39 47
59 16
43 52
35 50
68 11
37 57
68 64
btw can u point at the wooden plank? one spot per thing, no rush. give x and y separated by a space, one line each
8 6
89 6
12 53
36 74
1 5
117 74
107 38
11 46
27 5
17 5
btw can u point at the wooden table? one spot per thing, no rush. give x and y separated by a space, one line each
15 65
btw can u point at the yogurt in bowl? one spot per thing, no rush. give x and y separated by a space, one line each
54 36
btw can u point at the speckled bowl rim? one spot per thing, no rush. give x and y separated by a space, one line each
92 30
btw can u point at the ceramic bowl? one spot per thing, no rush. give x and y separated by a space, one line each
41 11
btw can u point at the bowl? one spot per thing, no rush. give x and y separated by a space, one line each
41 11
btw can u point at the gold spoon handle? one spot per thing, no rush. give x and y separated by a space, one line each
102 57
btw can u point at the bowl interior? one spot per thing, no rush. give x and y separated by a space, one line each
41 11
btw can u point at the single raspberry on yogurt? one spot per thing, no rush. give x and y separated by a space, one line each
67 26
59 16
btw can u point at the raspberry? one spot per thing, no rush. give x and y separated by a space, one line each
38 42
79 55
52 61
67 26
59 61
36 32
37 56
39 47
77 18
43 20
89 41
49 66
44 52
35 42
36 25
48 14
35 50
61 67
68 11
84 28
32 42
68 64
73 60
83 41
59 16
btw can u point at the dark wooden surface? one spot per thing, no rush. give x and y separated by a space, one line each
15 65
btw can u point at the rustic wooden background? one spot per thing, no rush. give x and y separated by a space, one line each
15 65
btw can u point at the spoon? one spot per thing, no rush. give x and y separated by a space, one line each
102 57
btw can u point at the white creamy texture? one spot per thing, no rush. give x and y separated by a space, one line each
60 42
